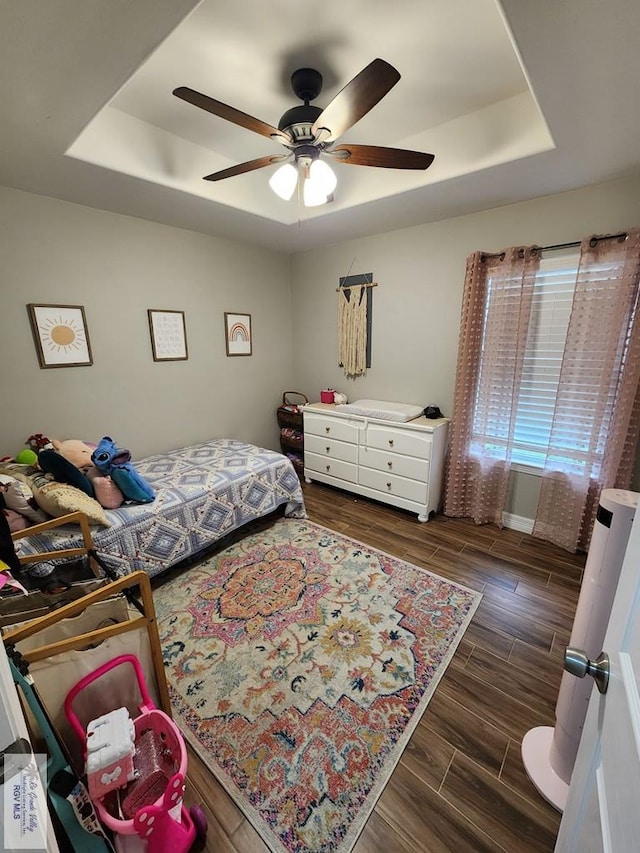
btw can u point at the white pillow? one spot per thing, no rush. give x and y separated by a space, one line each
19 497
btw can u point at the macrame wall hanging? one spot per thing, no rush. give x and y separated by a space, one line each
355 300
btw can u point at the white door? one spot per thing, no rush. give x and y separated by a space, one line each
603 808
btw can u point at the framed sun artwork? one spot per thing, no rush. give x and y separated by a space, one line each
237 329
60 334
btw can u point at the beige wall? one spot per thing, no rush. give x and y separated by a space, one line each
118 267
416 311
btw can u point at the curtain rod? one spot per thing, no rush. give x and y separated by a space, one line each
349 286
592 242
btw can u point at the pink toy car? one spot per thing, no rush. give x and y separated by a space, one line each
159 819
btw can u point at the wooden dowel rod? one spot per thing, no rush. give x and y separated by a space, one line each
81 641
349 286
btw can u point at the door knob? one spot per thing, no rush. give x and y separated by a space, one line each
577 663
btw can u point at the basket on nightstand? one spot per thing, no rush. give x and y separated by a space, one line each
289 415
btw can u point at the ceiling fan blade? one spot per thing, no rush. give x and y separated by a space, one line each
249 166
386 158
355 100
204 102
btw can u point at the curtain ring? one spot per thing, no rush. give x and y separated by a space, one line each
484 257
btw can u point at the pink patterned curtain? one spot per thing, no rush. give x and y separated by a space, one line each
496 308
596 421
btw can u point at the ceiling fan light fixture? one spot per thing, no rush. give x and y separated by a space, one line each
321 174
312 195
319 184
283 181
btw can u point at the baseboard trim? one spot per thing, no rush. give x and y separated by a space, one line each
517 522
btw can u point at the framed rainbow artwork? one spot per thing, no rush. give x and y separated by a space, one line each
237 333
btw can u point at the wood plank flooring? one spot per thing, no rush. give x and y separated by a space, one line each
460 785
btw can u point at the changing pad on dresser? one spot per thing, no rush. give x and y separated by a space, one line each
399 412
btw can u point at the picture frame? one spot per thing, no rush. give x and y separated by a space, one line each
237 333
60 334
168 335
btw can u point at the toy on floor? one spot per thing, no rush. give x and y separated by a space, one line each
110 750
155 825
112 460
148 813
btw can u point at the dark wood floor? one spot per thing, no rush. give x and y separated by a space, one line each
460 785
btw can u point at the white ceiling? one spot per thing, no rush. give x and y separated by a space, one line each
515 99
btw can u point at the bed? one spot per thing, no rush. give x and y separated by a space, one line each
203 493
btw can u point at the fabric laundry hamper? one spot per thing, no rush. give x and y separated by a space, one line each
73 641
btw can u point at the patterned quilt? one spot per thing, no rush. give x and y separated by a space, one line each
203 492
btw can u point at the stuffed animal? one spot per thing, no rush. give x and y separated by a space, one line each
112 460
76 451
39 442
107 493
68 461
27 457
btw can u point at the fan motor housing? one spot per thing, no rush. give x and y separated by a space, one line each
307 85
299 121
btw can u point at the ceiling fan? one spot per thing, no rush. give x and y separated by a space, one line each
308 132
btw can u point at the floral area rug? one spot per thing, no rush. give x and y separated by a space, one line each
299 662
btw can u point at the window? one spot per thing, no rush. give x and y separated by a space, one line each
548 375
530 430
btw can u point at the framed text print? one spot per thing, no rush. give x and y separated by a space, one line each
168 335
60 335
237 330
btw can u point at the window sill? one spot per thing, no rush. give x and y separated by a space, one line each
531 470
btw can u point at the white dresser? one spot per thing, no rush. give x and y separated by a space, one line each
397 463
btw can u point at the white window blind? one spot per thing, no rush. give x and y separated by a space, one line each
550 312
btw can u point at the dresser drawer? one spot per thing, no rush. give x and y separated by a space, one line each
395 463
330 427
409 442
329 447
331 467
391 484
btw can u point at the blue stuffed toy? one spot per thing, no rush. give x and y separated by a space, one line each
115 462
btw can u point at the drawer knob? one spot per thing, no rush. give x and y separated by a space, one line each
390 442
390 464
388 485
328 467
327 429
327 449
